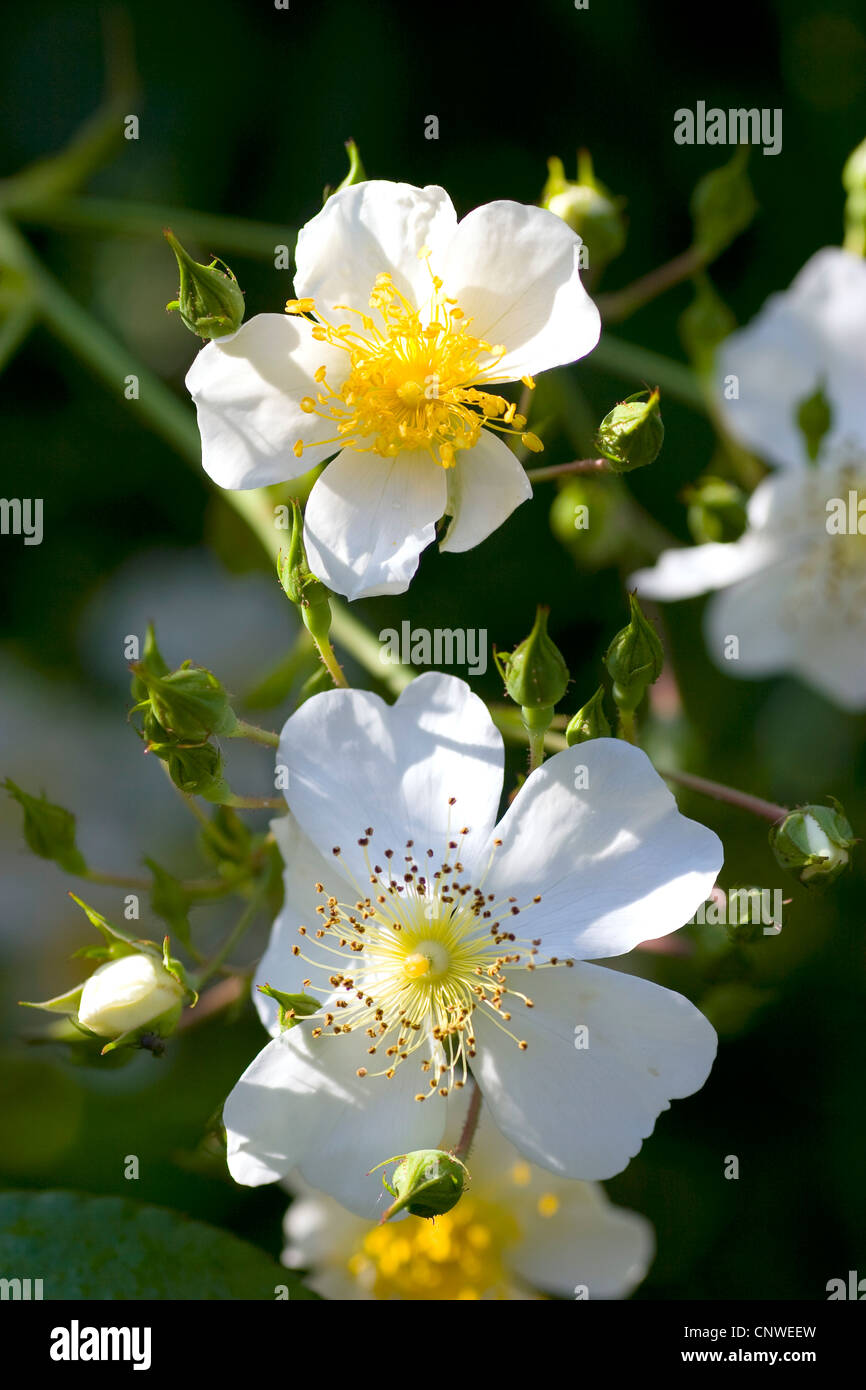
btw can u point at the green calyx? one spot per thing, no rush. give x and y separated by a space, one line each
210 301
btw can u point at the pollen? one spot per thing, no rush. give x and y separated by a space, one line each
416 379
415 957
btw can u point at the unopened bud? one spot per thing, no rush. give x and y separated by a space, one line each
535 673
588 209
634 659
816 840
129 994
190 704
428 1183
723 204
210 301
589 722
717 510
631 435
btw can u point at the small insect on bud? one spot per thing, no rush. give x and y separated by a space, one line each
427 1183
589 722
631 435
210 301
816 840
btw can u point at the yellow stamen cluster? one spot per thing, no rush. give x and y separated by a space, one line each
412 959
415 380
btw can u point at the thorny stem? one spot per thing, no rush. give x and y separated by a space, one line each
330 662
255 734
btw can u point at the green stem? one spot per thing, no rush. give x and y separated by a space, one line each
330 662
562 470
536 749
627 728
255 803
622 303
258 240
240 928
755 805
628 360
255 734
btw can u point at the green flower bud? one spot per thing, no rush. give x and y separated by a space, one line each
428 1183
589 722
705 323
854 182
189 704
631 435
717 509
153 662
210 301
299 583
292 1007
197 771
588 209
814 416
816 840
723 204
49 830
634 659
592 516
535 674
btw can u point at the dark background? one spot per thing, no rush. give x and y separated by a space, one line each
243 111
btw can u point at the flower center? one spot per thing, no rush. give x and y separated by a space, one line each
415 379
411 961
458 1256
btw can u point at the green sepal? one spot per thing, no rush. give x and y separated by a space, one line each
292 1007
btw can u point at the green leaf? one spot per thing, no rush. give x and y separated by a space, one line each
110 1248
48 829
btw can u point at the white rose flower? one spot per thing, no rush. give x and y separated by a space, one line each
438 938
404 326
517 1232
126 994
793 587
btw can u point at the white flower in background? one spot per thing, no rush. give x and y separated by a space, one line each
793 587
517 1232
404 326
126 994
439 939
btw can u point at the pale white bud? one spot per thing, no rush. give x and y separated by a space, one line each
126 994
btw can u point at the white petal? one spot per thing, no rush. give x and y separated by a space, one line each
369 228
300 1104
515 272
484 487
304 868
596 832
318 1230
356 762
773 641
813 334
583 1111
247 390
368 519
696 568
586 1242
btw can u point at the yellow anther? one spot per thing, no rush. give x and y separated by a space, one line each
300 306
411 392
548 1204
532 442
298 448
308 405
528 382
